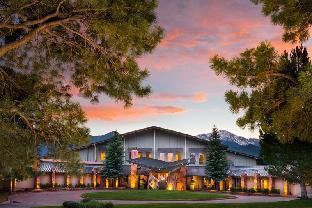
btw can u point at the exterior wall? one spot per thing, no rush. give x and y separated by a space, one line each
87 179
74 180
250 182
26 184
60 179
45 179
238 160
279 184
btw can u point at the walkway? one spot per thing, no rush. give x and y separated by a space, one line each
31 199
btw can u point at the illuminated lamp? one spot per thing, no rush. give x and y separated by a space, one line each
285 188
170 186
106 183
116 183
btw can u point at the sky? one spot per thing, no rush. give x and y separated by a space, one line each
187 96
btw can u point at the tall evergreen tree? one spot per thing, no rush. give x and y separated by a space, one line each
216 161
273 90
290 161
113 164
295 16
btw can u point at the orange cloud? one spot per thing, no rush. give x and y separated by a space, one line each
164 96
116 112
199 97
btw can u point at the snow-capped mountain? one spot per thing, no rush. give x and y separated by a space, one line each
236 143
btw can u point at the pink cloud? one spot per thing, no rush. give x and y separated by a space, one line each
116 112
200 97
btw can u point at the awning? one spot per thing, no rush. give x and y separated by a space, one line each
159 165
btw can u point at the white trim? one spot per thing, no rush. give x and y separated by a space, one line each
154 146
184 147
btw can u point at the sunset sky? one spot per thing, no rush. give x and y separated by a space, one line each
187 95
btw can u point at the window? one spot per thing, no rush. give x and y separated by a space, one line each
148 154
139 154
178 156
170 157
201 159
162 156
103 156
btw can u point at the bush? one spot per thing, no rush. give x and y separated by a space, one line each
251 190
85 200
71 204
275 191
265 191
95 204
236 189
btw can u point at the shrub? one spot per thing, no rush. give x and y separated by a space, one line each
162 185
236 189
244 189
265 191
85 200
109 205
71 204
251 190
275 191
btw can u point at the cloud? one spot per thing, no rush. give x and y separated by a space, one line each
118 113
199 97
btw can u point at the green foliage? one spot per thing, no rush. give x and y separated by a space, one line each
274 91
94 43
113 164
34 113
294 15
290 161
87 204
216 162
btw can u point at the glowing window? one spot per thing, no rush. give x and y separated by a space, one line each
103 156
178 156
148 154
201 159
170 157
162 156
139 154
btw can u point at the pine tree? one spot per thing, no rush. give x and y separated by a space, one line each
216 162
113 164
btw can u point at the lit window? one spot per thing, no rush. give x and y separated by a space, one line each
178 156
103 156
201 159
139 154
170 157
148 154
162 156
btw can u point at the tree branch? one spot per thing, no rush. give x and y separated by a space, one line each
13 45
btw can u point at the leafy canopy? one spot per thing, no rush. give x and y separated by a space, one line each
294 15
94 44
216 162
34 113
290 161
274 91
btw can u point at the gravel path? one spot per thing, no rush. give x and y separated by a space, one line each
31 199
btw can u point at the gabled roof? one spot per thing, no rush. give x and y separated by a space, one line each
106 137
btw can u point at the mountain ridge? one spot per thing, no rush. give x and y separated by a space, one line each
250 146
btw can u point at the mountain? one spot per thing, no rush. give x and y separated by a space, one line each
250 146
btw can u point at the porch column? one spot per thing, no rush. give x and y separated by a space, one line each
94 180
256 178
270 184
81 180
221 185
230 183
67 181
285 192
53 179
243 181
37 183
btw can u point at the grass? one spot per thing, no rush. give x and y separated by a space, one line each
154 195
291 204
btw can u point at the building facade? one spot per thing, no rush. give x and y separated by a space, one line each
160 144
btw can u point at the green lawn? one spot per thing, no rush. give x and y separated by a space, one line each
291 204
154 195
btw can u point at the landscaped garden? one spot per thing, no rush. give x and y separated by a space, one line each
154 195
290 204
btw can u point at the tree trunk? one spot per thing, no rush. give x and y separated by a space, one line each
303 188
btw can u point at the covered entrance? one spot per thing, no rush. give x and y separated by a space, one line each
149 173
